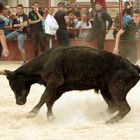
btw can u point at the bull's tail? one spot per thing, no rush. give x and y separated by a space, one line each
138 68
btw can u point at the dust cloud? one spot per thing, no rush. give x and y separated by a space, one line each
79 115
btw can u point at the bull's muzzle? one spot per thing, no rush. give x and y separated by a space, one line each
20 101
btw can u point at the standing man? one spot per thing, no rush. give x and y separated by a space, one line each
37 33
125 44
100 26
51 26
62 19
3 46
20 30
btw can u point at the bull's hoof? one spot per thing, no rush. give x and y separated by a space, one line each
51 118
31 115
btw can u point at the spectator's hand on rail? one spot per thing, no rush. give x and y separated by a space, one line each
116 50
5 52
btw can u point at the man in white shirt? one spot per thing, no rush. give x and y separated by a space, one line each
51 26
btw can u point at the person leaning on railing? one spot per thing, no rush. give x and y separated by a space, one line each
125 44
8 21
3 46
20 30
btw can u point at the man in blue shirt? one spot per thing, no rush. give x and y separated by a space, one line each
3 46
125 44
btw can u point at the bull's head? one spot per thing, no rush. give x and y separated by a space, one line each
19 86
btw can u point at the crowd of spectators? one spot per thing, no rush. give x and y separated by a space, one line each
125 16
68 21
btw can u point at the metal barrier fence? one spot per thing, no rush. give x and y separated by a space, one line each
112 8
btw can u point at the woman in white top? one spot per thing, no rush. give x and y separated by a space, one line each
51 26
84 25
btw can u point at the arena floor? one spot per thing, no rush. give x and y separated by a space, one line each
79 116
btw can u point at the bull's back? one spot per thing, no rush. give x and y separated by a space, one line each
82 60
82 67
91 67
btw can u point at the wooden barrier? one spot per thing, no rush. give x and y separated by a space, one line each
15 54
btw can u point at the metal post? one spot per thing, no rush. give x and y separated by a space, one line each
120 12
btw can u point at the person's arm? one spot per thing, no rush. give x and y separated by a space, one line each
67 20
5 51
40 15
24 24
116 48
11 10
110 22
35 21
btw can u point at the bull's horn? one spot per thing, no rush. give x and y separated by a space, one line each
2 72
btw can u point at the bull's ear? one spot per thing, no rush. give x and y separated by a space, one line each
9 74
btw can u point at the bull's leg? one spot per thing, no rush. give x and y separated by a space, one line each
50 101
119 91
119 85
124 109
108 99
36 109
49 96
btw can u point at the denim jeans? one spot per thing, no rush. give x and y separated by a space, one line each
20 38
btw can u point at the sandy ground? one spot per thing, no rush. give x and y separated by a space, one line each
79 116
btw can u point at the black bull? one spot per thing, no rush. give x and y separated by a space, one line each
76 68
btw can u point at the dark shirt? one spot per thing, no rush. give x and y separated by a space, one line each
130 30
2 24
33 16
125 9
20 19
100 20
59 16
